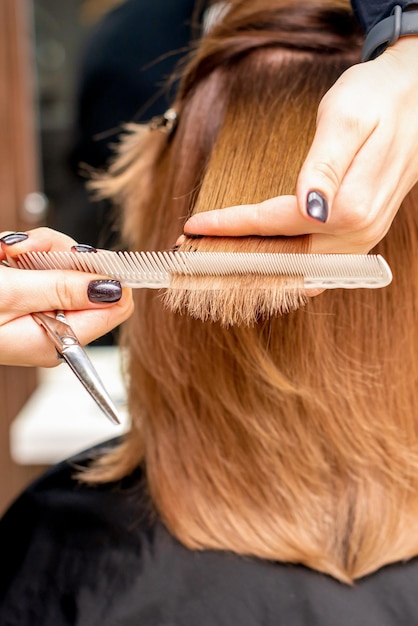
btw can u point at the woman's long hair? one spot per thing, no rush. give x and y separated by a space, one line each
294 439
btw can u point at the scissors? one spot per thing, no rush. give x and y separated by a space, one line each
70 350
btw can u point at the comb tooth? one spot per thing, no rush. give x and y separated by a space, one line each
159 264
140 263
74 261
90 263
121 265
180 259
128 262
146 258
23 263
245 265
170 260
193 262
141 269
63 260
60 260
32 258
186 263
269 266
144 263
85 261
54 260
238 269
165 263
124 265
272 265
261 267
222 270
293 268
44 261
67 259
164 258
265 265
159 261
182 263
148 261
110 265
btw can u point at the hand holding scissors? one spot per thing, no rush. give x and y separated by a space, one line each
69 349
93 304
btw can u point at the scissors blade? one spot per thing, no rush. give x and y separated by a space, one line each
69 348
83 368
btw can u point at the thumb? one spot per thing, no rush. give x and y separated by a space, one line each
28 291
338 138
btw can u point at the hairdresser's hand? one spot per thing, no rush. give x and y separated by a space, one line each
363 161
92 308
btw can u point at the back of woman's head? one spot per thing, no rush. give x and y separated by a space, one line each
253 81
260 65
294 438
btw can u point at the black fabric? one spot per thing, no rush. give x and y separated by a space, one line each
369 12
126 63
97 556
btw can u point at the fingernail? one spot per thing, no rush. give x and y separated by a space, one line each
83 247
12 238
104 291
317 206
175 248
193 236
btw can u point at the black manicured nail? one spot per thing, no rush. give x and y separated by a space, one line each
193 236
104 291
317 206
175 248
83 247
12 238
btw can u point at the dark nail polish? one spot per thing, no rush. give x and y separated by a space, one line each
317 206
193 236
12 238
104 291
175 248
83 247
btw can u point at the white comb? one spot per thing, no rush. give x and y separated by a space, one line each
154 269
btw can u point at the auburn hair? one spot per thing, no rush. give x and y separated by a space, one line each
295 438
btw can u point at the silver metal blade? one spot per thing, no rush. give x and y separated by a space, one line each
83 368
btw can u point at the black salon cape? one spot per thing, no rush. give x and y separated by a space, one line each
95 556
370 12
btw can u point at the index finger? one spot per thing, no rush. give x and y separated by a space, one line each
273 217
340 135
39 239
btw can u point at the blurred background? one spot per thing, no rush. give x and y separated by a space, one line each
72 72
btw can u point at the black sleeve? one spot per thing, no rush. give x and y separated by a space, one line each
370 12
